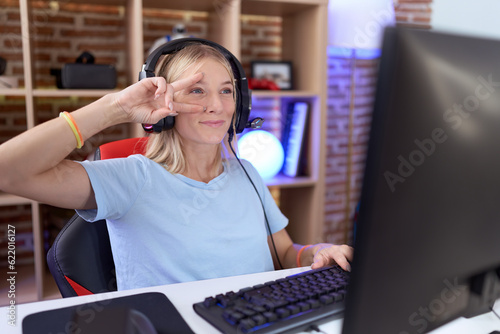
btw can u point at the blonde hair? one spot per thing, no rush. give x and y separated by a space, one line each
166 147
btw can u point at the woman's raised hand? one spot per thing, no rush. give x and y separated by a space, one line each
152 99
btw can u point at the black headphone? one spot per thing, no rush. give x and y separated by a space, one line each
243 94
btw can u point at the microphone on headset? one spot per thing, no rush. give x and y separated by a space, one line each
255 123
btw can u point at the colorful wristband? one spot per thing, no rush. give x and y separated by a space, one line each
67 116
300 253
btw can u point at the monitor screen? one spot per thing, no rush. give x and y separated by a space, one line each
427 244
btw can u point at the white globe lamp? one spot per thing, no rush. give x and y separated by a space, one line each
264 151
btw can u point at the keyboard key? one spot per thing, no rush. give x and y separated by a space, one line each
269 305
293 309
226 302
282 313
337 296
257 308
232 316
270 316
231 295
313 302
242 291
304 306
259 319
248 312
326 299
209 301
301 297
280 302
246 324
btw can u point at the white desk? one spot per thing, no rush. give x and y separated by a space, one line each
184 295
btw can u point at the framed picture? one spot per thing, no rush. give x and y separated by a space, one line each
279 72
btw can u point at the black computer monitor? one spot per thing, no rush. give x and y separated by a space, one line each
427 244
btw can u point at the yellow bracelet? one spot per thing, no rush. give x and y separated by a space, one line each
300 253
67 116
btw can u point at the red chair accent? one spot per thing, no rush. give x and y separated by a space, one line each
80 290
123 148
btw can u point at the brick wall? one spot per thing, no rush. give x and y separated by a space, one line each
338 106
339 210
59 34
413 13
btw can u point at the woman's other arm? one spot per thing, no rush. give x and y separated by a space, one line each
317 256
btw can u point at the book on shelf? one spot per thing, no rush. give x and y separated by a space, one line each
294 135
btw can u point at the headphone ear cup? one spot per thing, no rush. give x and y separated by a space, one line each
243 103
237 111
163 124
168 122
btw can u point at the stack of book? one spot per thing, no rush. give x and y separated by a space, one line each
294 134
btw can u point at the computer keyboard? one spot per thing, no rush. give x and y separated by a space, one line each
288 304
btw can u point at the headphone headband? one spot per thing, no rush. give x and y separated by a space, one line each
243 98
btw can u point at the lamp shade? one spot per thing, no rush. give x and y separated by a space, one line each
264 151
358 24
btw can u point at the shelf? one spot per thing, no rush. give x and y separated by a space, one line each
185 5
102 92
278 7
12 91
57 92
248 7
72 92
100 2
8 199
282 93
284 181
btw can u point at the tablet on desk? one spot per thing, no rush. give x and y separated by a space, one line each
154 305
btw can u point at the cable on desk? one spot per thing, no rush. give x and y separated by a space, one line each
316 329
495 313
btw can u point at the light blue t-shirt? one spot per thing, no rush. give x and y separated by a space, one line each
166 228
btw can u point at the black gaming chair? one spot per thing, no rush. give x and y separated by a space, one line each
80 259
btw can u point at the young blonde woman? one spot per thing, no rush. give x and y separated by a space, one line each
180 213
